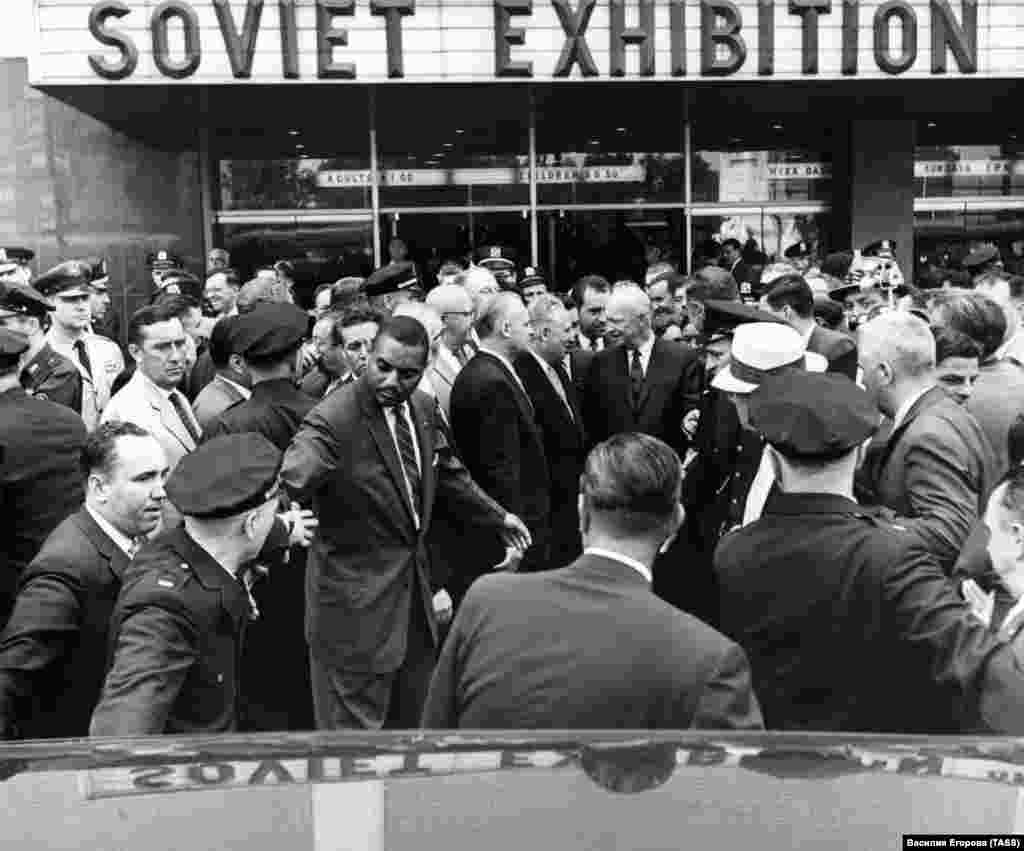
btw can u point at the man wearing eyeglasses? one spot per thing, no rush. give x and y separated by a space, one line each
455 305
342 342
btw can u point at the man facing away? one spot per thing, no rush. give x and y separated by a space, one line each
589 646
53 652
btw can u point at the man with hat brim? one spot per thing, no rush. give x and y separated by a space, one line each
40 478
391 285
886 644
532 285
500 261
46 374
160 263
178 282
800 255
14 265
180 620
99 360
982 260
105 319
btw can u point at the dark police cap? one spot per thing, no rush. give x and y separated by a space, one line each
810 415
532 276
496 255
981 257
225 476
12 345
880 248
270 330
179 282
392 278
23 300
163 261
100 273
723 317
798 249
18 255
70 278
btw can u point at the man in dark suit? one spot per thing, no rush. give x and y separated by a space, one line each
372 461
589 646
936 468
557 413
230 385
792 300
850 624
732 261
179 623
53 652
640 383
495 426
40 480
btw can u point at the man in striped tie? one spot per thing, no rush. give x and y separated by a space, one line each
372 459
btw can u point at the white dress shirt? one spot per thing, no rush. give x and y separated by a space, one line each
124 543
556 382
585 342
639 567
390 413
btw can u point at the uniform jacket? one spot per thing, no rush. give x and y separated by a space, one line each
935 472
53 652
214 399
107 363
176 640
564 448
40 480
52 376
141 402
851 625
995 402
672 387
442 374
837 348
368 563
275 410
500 442
595 649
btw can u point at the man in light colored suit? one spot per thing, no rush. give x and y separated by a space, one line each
455 305
589 646
373 461
151 399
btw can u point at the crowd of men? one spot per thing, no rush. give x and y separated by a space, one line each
790 498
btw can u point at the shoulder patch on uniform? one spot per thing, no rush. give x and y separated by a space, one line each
42 396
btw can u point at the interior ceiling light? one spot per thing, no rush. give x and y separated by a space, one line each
776 126
459 131
932 125
293 132
620 129
449 144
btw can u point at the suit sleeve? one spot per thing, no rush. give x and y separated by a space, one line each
958 651
943 505
213 428
497 467
463 496
310 458
42 628
728 701
156 647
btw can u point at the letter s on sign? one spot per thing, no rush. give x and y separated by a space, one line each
129 60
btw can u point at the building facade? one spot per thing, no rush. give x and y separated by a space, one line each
583 133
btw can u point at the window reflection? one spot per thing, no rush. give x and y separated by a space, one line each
764 236
741 176
951 171
295 184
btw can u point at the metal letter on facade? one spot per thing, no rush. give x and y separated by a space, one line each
908 52
713 36
642 36
162 16
505 36
808 10
575 50
961 40
241 48
129 60
393 12
677 23
289 39
851 37
765 37
327 36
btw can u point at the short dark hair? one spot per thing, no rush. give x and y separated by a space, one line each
976 315
99 453
178 304
349 318
950 343
633 481
598 283
405 330
220 347
732 242
347 291
794 291
151 314
321 288
1015 441
1016 284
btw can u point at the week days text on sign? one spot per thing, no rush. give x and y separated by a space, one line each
723 37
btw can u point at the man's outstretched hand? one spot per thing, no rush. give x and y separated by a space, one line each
515 534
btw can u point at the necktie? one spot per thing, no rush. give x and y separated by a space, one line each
556 382
407 452
185 416
83 356
636 377
460 356
593 344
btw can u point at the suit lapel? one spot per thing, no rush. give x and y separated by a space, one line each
525 405
378 427
621 361
115 557
655 366
230 391
162 406
425 439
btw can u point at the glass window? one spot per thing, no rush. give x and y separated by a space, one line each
453 147
320 253
295 184
605 145
765 236
729 176
951 171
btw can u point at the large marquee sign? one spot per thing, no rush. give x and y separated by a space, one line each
224 41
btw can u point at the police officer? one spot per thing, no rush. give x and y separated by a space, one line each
276 674
40 479
391 285
105 320
500 261
801 256
46 374
849 623
98 359
532 285
982 260
179 622
160 263
14 265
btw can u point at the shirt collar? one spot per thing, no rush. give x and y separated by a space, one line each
124 543
809 333
585 342
639 567
904 409
245 391
165 393
506 362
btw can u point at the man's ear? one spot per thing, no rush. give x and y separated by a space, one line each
135 352
584 514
